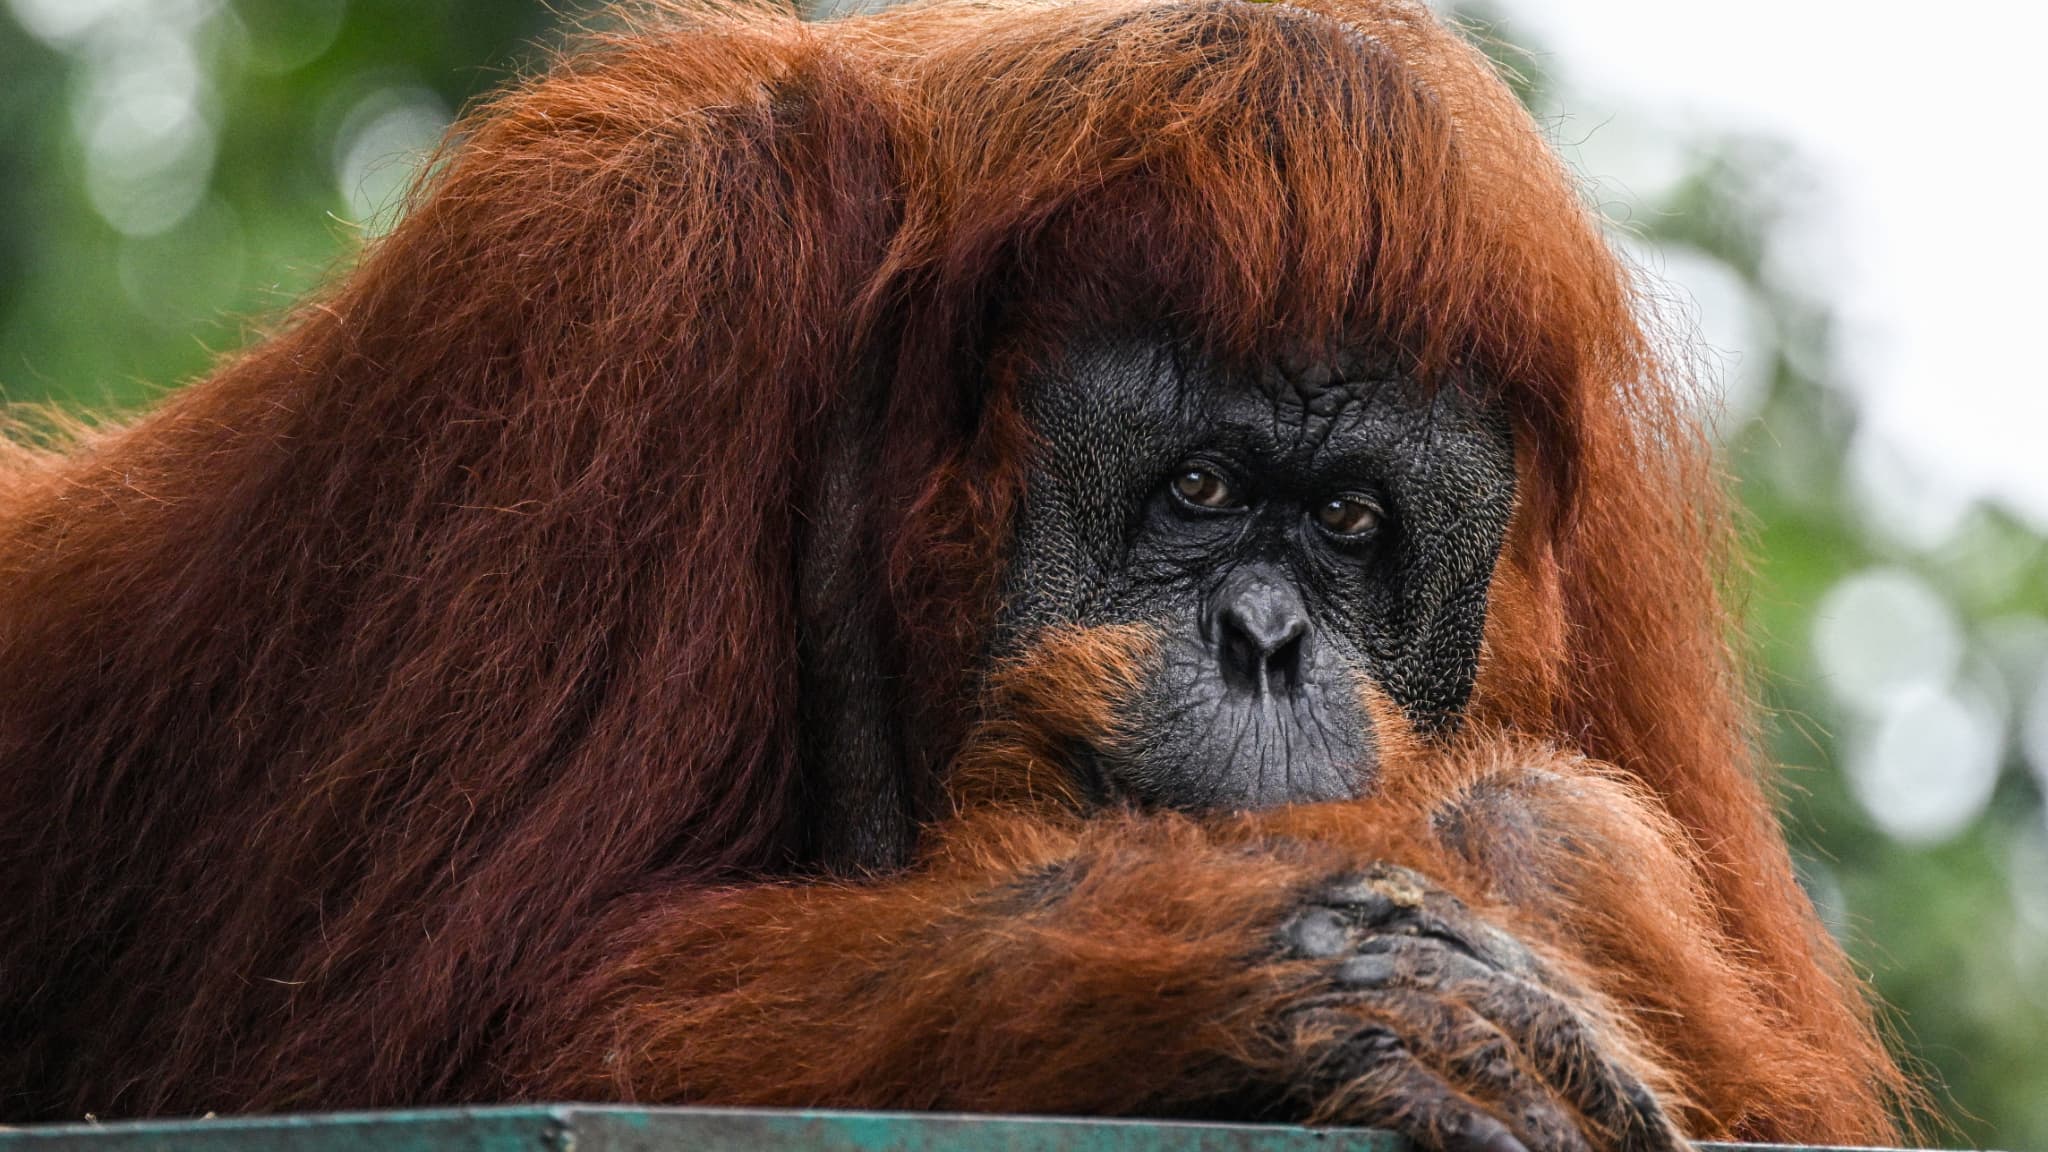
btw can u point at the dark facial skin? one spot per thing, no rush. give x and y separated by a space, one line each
1295 533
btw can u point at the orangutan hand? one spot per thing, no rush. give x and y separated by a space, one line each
1433 1023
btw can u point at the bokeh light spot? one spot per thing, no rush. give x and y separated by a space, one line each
141 107
1926 769
1884 634
61 23
1900 502
382 143
281 37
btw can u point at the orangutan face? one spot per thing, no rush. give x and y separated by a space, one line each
1302 539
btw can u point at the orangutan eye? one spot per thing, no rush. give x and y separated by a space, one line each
1350 516
1205 489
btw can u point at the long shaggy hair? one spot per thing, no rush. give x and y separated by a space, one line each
346 690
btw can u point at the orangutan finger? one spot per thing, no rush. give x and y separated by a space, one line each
1370 1077
1553 1036
1548 1033
1387 900
1395 930
1568 1053
1470 1052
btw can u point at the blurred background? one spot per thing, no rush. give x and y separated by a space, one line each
1829 200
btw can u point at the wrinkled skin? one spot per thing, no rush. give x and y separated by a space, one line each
1193 497
1438 1024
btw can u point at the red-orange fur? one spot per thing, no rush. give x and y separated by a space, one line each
407 711
960 989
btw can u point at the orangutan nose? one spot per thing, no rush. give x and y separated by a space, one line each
1261 629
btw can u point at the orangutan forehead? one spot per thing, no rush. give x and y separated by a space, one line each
1354 403
1325 381
1330 382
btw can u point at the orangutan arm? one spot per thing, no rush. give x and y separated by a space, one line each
1586 865
1149 966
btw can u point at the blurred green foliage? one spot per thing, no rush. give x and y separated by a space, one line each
148 225
1950 921
90 314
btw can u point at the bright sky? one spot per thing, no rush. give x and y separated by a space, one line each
1927 125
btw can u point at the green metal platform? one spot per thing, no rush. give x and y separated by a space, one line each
586 1128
